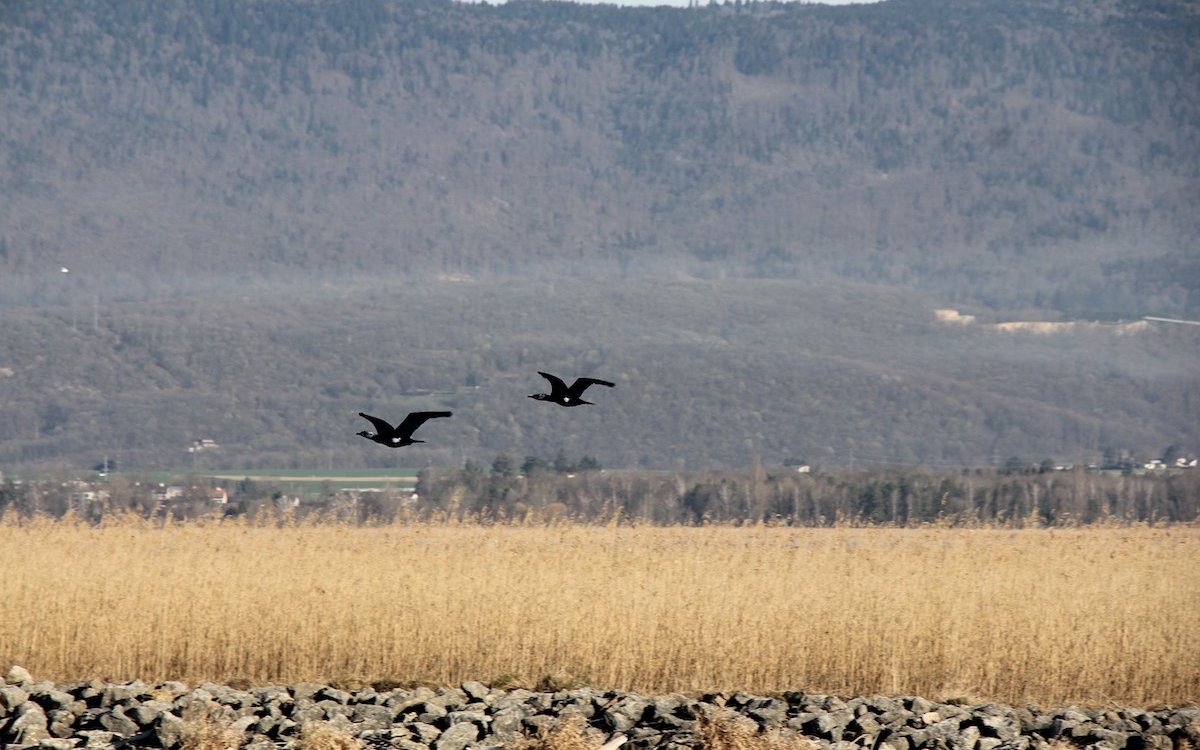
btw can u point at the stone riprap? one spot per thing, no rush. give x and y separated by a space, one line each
473 716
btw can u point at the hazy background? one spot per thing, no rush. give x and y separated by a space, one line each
277 214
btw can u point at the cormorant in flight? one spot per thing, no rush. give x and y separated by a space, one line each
564 396
401 434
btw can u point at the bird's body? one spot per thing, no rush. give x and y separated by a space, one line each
567 396
401 434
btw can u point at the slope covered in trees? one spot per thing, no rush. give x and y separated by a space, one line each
1029 153
276 214
708 374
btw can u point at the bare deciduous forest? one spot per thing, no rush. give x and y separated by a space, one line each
273 215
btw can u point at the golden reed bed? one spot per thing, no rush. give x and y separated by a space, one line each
1093 615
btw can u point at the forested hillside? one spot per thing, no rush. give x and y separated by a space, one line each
1027 153
708 374
250 220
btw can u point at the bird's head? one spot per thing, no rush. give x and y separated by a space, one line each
541 396
365 434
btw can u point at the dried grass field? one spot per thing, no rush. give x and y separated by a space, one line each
1090 615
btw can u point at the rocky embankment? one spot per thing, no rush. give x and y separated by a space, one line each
35 714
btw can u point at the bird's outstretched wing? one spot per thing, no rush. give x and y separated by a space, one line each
581 385
416 419
557 386
381 427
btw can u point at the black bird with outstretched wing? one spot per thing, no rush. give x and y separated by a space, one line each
401 434
568 396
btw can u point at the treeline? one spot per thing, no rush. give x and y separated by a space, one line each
579 491
896 497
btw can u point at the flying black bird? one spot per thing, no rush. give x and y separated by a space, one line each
564 396
401 434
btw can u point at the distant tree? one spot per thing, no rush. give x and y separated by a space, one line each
1014 465
533 465
504 466
562 464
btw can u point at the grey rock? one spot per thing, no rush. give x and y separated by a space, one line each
272 695
520 695
168 730
476 691
946 728
196 702
337 723
828 725
423 733
1107 738
57 744
372 716
286 727
115 695
11 696
115 720
88 692
1018 743
538 723
672 709
894 742
768 712
479 718
895 720
333 709
425 711
305 710
90 718
449 698
1075 714
50 698
457 737
265 724
865 725
305 690
332 694
97 738
1151 742
408 745
506 724
28 726
61 722
1000 727
259 742
172 688
965 738
626 713
17 676
368 695
918 706
147 712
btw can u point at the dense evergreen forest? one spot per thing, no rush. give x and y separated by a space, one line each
247 221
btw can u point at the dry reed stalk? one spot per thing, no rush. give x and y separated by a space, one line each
729 731
208 733
1089 615
569 733
319 735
